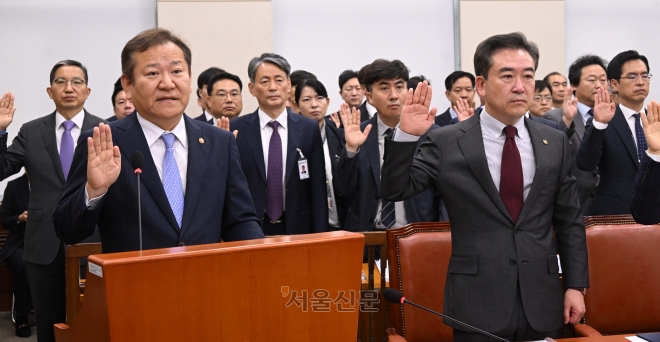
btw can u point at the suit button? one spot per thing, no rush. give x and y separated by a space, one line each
517 231
181 244
513 262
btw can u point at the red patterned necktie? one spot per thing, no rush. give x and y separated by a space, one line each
511 178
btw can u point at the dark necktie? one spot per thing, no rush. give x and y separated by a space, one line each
641 139
590 118
388 212
274 200
66 147
511 178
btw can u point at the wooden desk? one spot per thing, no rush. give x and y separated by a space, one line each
615 338
365 278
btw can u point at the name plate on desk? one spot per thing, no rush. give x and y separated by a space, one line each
95 269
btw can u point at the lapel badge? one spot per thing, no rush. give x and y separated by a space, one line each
201 141
545 142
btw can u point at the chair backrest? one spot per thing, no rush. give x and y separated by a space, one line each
73 286
624 274
419 257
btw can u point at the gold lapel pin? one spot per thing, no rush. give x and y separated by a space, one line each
545 142
201 140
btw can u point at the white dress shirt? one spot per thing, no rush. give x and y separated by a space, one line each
583 110
371 110
210 117
453 113
266 133
75 131
399 209
333 216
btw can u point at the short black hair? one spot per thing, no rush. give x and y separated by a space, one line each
116 91
203 78
345 76
483 57
298 76
615 67
222 76
382 69
539 85
413 81
575 70
362 72
546 79
67 62
314 84
455 76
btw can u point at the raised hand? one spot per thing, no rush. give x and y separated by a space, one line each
6 110
651 124
223 123
354 136
416 119
335 119
569 107
103 161
463 110
604 108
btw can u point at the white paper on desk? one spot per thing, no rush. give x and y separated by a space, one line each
635 339
387 274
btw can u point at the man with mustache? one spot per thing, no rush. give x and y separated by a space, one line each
615 143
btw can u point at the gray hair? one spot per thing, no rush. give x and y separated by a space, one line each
272 58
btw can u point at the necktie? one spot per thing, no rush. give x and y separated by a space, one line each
641 139
388 211
511 178
590 117
172 179
66 147
275 196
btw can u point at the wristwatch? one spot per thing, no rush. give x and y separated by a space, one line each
582 290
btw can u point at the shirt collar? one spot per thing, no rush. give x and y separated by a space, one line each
152 132
208 116
452 112
627 112
584 110
382 127
78 119
496 127
264 119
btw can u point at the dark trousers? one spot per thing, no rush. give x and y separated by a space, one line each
518 329
48 295
20 284
270 228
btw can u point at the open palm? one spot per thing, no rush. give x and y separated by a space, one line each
103 161
416 119
352 132
651 123
6 110
604 108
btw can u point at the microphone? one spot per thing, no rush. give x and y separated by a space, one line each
137 162
394 296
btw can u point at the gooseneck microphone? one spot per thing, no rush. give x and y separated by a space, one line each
394 296
137 162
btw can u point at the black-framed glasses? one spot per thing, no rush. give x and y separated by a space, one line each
223 95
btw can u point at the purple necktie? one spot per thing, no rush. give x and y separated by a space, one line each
274 199
512 187
66 147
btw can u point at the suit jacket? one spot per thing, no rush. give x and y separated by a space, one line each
364 113
306 208
216 203
443 119
336 143
360 178
35 148
646 199
111 119
491 254
202 118
586 180
614 153
544 121
14 203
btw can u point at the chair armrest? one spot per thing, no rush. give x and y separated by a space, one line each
392 336
586 331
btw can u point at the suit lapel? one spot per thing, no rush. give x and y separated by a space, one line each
333 140
579 125
472 146
87 123
621 127
197 155
129 137
540 150
294 133
48 134
253 137
373 153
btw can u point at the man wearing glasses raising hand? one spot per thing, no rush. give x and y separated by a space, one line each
615 142
45 148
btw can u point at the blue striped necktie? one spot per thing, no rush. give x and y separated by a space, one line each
172 178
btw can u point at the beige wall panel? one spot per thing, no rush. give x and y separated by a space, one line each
541 21
223 34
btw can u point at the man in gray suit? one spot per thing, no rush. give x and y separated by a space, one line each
45 148
510 196
587 75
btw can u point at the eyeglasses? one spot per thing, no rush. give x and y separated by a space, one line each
62 82
635 77
548 98
223 96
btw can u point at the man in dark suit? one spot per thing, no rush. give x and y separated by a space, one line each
274 143
45 148
587 75
367 110
312 101
615 141
121 105
510 196
14 216
646 199
352 92
458 85
225 96
203 94
193 190
359 165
